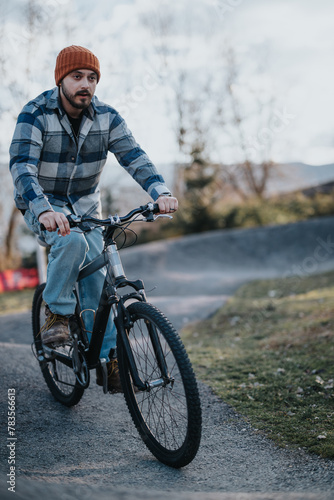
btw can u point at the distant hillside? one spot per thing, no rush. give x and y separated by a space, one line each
291 177
295 176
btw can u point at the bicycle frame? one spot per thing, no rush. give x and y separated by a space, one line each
110 299
163 402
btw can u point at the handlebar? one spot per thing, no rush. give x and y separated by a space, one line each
147 211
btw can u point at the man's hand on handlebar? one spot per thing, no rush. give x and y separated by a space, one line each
167 204
53 221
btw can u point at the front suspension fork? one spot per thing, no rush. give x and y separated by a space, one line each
123 324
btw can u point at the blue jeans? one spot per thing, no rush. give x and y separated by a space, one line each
67 255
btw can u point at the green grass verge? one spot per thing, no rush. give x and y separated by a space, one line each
18 301
269 353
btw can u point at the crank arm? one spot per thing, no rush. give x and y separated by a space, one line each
53 354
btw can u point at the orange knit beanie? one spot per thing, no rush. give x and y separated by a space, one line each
75 57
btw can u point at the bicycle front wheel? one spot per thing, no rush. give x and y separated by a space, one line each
167 417
60 379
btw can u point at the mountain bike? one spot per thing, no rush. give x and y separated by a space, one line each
157 378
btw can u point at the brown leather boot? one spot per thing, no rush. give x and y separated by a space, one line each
114 381
55 329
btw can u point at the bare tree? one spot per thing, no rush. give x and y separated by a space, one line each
248 178
26 42
209 112
20 31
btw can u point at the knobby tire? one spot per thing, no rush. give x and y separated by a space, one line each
60 379
168 418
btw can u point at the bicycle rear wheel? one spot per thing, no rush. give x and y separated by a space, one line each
167 417
60 378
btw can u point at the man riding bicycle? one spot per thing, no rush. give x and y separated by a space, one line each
58 151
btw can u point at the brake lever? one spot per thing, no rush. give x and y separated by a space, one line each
162 215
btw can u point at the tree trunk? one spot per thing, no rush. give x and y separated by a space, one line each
9 241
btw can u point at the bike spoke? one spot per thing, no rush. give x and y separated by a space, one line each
164 409
59 377
167 413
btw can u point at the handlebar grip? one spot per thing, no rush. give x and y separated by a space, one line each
68 217
155 208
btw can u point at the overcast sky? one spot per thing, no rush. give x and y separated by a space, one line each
300 36
295 39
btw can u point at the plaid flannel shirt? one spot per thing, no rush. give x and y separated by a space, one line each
50 165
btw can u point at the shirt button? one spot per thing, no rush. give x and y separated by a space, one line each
73 158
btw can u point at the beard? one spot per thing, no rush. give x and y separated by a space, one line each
71 98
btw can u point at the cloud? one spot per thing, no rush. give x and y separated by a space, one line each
285 47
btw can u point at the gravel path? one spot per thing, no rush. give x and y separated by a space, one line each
94 447
96 443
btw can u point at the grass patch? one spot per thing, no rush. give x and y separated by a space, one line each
269 353
16 301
